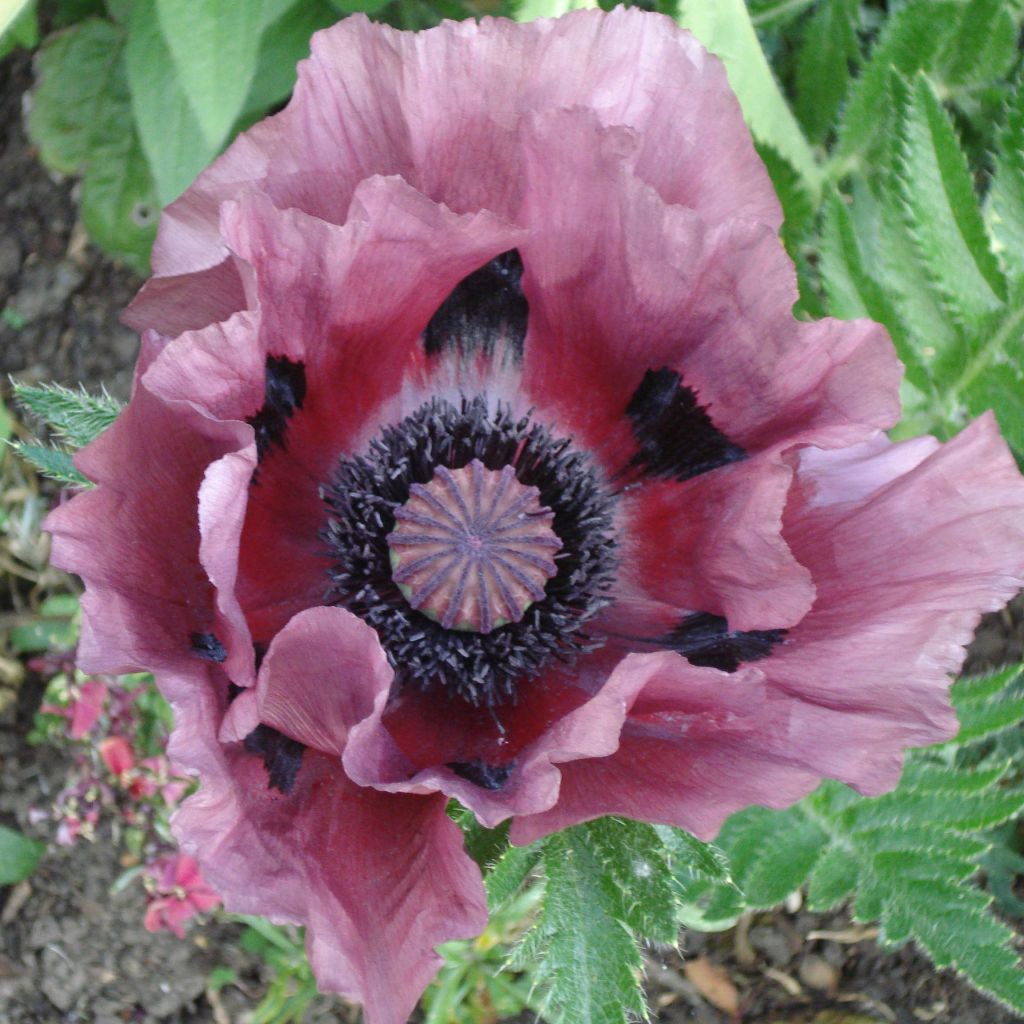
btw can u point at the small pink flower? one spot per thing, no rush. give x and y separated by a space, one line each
175 892
474 453
117 755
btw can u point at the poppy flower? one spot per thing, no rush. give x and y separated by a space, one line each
474 453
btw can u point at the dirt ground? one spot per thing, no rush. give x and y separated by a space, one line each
71 951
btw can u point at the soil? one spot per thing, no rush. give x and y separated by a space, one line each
72 951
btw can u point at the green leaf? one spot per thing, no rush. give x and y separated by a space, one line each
77 69
980 47
54 463
823 65
172 137
120 209
19 856
1004 208
637 878
854 292
19 25
213 46
908 856
509 873
989 704
56 628
908 42
798 205
725 29
943 210
285 41
359 6
81 120
527 10
766 14
583 959
75 416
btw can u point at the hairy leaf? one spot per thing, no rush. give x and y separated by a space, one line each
906 857
908 43
76 417
54 463
583 958
1004 209
823 65
943 210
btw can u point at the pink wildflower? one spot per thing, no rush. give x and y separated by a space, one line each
175 892
474 453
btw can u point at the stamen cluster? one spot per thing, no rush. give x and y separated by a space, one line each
366 491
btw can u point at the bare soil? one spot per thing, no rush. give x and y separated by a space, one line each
72 951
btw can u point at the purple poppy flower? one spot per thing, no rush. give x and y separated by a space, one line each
474 453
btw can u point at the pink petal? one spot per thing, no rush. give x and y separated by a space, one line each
378 879
714 543
591 729
908 551
350 303
117 755
187 302
137 546
321 676
87 709
613 271
691 753
444 109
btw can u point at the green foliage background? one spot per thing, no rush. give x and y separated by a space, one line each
894 133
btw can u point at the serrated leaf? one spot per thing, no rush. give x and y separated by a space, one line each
1004 208
509 872
798 205
213 46
75 416
981 48
172 138
637 878
854 292
833 878
583 959
909 41
725 29
906 857
18 856
54 463
943 210
823 65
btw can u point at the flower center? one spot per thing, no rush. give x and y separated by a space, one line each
473 548
477 545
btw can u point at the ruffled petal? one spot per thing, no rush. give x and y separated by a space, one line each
135 538
375 101
508 780
909 545
321 676
714 543
378 879
621 283
692 752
